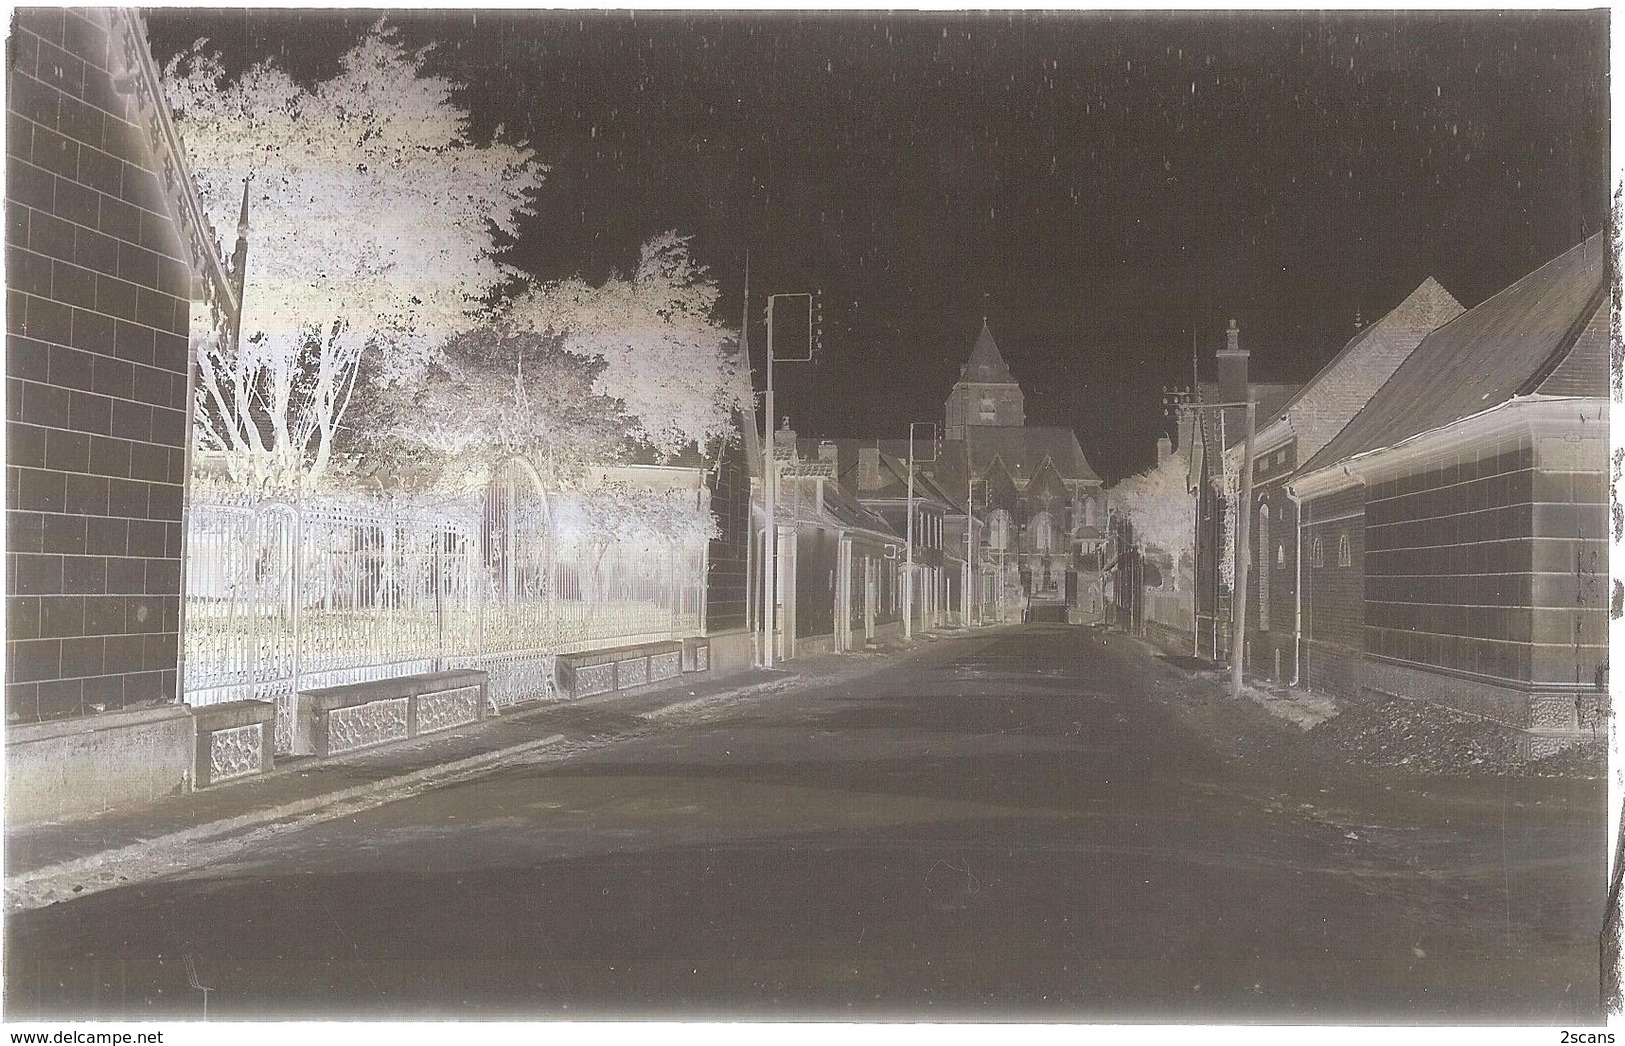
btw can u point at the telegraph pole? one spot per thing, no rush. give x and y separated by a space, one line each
1238 624
770 540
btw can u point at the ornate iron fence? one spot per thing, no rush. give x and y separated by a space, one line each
282 596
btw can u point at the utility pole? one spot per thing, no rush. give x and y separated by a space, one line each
1238 624
770 537
908 569
1238 632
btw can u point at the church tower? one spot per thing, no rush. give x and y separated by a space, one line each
986 393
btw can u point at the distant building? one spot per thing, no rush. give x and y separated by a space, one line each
1036 509
1455 531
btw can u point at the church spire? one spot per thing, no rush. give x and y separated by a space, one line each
986 364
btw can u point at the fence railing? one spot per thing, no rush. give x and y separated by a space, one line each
283 596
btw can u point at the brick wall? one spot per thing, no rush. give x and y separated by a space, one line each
97 317
1334 593
1274 564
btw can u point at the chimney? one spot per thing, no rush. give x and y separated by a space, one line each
1232 361
829 452
784 442
868 468
1165 448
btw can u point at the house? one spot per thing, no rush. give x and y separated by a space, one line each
111 266
1294 433
1219 425
1454 532
876 474
840 566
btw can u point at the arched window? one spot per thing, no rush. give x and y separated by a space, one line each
989 411
1043 533
998 525
1344 556
1088 512
1317 556
1263 568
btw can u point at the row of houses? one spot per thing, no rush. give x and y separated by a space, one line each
988 520
1428 514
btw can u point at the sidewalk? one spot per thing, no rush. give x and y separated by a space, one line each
50 861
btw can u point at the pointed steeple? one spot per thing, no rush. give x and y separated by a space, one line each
985 363
986 393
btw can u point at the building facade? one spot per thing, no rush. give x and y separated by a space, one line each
110 266
1457 527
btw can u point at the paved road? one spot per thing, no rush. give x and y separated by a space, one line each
1034 824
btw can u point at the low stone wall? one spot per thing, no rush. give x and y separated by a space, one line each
731 651
809 646
72 767
336 719
618 668
233 739
1174 640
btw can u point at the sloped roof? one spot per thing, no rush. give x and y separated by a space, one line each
1503 348
1023 450
893 468
986 363
799 501
1322 407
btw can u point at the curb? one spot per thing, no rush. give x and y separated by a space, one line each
42 886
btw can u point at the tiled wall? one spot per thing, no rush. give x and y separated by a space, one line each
1488 564
97 316
1334 599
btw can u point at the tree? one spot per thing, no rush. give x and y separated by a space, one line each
494 392
1160 507
666 358
372 214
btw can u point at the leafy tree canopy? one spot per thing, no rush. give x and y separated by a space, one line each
372 216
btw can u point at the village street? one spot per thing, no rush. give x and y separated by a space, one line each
1044 822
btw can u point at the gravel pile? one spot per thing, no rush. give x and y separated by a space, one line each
1431 738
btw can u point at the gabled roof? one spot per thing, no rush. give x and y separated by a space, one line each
815 502
893 469
1271 398
986 363
1023 450
1322 407
1486 356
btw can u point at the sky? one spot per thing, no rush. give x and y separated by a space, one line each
1107 189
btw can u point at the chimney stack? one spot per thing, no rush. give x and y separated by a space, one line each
868 468
828 451
1232 361
784 442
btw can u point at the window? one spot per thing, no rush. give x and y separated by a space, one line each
1280 555
989 412
1043 533
1344 557
1318 554
999 530
1264 568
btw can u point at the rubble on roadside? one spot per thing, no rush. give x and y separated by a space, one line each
1427 737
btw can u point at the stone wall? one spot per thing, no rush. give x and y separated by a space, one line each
97 319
